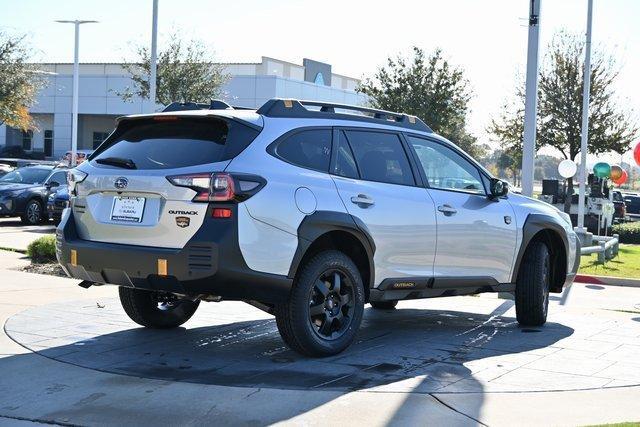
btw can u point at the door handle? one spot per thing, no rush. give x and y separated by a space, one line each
362 199
447 210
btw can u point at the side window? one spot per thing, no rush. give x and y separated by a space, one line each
445 169
345 164
308 149
59 177
380 157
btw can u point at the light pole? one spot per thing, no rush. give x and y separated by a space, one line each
154 58
531 100
585 121
76 72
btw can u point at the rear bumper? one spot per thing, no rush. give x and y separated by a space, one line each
211 263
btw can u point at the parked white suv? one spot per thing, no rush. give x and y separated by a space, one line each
307 210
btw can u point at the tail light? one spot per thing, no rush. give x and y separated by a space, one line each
219 186
74 177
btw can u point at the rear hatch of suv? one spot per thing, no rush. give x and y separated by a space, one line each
141 186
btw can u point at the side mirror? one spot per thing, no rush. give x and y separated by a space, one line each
53 184
499 188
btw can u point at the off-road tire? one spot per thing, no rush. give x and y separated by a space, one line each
383 305
532 285
293 316
143 309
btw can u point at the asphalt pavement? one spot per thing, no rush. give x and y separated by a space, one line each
71 356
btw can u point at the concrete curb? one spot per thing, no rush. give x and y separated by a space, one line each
20 251
607 280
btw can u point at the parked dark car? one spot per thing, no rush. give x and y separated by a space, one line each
57 201
5 169
24 191
620 209
18 152
633 204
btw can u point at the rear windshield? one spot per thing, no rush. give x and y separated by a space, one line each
176 143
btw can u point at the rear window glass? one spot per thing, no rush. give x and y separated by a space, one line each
175 144
309 149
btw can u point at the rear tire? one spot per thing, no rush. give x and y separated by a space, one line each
383 305
143 308
33 214
532 286
325 306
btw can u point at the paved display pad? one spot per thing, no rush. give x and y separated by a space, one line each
447 345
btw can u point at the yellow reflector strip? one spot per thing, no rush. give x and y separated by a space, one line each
74 257
162 267
288 103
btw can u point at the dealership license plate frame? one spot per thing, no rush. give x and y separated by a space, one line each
136 217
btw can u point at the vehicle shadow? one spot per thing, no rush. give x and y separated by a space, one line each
403 350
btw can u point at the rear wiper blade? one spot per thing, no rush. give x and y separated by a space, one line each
117 161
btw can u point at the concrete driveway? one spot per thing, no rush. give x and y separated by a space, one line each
14 235
71 356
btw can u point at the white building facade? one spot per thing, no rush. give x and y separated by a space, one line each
249 85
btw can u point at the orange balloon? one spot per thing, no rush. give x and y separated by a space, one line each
636 153
623 178
616 172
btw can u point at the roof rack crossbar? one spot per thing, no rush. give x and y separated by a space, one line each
297 109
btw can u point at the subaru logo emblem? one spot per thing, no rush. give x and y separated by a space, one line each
121 183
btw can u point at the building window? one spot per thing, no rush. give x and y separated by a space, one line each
48 143
98 137
27 137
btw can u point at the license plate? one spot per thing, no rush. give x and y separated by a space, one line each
127 209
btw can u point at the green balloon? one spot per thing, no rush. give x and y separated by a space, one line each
602 170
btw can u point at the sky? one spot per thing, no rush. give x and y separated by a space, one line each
487 38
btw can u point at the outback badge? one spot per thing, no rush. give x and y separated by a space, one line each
182 221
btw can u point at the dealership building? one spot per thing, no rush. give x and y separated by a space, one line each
249 85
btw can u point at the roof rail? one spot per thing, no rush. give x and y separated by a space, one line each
214 104
297 109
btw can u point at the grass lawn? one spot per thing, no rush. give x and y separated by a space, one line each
632 424
626 264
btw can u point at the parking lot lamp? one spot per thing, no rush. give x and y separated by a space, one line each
154 59
531 99
585 121
76 71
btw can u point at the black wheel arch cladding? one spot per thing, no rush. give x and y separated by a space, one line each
550 229
321 223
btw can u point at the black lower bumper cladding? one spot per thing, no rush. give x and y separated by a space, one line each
210 263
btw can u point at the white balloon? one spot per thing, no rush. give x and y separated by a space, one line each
567 168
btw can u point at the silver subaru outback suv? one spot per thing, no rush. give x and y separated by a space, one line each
307 210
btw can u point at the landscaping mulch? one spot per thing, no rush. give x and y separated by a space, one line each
52 269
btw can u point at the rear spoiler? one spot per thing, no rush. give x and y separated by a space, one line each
214 104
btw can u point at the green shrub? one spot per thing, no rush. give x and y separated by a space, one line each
42 250
629 232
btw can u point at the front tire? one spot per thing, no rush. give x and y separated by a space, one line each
148 310
33 214
532 286
325 306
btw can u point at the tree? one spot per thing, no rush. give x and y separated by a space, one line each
19 83
185 73
560 105
508 131
546 167
429 88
